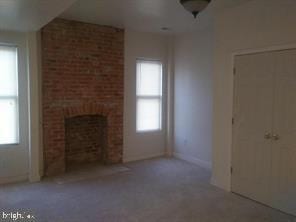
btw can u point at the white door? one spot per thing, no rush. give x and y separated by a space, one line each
14 155
284 130
264 131
253 101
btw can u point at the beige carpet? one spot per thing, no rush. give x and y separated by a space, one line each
158 190
88 173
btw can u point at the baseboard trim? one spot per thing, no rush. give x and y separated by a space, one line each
204 164
8 180
220 186
137 158
35 178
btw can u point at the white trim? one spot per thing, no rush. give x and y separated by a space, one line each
204 164
145 97
18 167
143 157
221 186
35 132
264 49
170 99
8 180
250 51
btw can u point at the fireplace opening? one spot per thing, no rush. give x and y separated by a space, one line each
86 140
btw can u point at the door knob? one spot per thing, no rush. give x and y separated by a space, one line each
267 136
275 137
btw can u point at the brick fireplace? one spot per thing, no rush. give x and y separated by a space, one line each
82 67
86 139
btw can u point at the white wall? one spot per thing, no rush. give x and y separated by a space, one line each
256 24
149 144
193 96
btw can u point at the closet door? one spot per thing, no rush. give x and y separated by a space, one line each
253 103
284 139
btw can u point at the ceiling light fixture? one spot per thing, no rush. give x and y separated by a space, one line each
165 29
195 6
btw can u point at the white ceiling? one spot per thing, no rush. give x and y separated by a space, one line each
29 15
144 15
141 15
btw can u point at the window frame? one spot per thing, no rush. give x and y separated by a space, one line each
15 98
145 97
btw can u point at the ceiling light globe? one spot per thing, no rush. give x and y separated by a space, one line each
195 6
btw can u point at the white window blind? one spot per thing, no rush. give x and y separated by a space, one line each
149 95
9 121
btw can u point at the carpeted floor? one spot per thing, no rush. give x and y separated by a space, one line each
167 190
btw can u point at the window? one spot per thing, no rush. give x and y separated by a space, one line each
9 132
149 95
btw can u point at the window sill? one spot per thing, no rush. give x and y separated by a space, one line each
149 131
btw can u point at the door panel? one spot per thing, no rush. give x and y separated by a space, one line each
284 149
253 102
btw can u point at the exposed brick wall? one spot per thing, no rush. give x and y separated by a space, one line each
85 139
82 66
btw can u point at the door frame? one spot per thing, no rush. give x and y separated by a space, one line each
243 52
